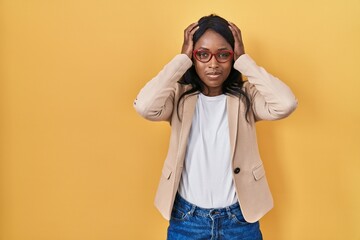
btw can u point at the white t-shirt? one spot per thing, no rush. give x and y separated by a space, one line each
206 179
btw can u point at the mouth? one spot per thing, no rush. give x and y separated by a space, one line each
213 74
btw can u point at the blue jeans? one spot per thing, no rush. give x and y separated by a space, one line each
194 223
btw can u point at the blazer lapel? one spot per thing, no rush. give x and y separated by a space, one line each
233 114
188 113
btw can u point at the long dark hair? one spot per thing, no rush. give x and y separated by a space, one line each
233 84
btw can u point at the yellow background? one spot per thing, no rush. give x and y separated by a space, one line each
77 162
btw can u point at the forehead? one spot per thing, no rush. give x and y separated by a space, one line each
212 40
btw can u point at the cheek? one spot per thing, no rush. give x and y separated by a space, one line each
199 69
229 66
227 69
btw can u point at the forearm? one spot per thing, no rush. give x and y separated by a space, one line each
272 99
155 100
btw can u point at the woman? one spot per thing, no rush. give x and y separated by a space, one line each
213 183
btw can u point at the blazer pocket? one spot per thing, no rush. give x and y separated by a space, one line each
166 172
259 172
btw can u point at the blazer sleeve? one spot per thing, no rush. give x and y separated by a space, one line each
155 101
271 99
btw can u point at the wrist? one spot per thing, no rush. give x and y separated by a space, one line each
238 54
187 52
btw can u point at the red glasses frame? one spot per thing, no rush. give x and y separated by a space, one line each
213 54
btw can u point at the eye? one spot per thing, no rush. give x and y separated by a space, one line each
202 54
223 55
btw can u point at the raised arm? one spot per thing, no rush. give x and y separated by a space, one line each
155 101
271 99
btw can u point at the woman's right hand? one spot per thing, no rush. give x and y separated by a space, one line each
187 47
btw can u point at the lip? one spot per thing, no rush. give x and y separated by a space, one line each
213 74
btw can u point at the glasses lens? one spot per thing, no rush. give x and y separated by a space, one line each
203 56
223 56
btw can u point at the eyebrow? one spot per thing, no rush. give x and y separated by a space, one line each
223 48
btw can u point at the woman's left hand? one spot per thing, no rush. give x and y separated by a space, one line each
239 48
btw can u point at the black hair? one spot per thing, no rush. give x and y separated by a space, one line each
233 84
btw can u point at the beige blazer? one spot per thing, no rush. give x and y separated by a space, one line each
270 98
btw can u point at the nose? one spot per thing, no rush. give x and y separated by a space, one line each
213 63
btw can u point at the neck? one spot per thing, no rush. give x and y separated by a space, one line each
212 92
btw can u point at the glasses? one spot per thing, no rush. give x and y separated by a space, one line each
205 56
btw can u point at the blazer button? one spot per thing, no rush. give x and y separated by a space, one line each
236 170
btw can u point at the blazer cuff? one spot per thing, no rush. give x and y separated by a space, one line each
183 60
243 63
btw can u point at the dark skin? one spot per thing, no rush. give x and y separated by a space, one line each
213 73
187 47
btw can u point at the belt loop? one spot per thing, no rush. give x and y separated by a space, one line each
228 212
193 207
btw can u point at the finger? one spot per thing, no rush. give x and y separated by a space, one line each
190 27
234 27
188 39
189 32
235 30
192 32
239 45
236 36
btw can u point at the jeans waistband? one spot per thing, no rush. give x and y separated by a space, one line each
187 207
